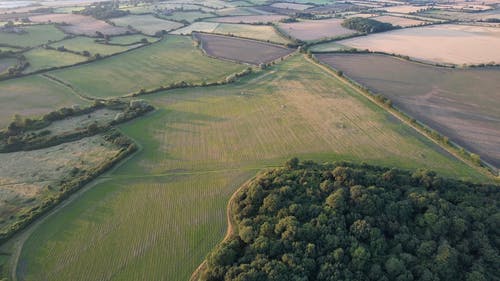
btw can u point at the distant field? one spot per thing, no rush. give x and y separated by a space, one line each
174 59
241 50
293 6
258 32
462 104
463 16
161 212
457 44
189 16
34 36
240 11
147 24
26 175
328 47
315 30
80 24
6 63
32 95
131 39
403 9
81 44
42 59
250 19
403 22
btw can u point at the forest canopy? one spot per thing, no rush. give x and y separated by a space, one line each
366 25
342 221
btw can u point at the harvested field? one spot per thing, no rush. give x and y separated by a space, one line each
147 24
328 47
258 32
33 36
400 21
403 9
40 58
444 43
315 30
27 177
241 11
80 24
6 63
462 104
33 95
463 16
292 6
335 8
251 19
171 60
81 44
241 50
161 212
276 10
197 26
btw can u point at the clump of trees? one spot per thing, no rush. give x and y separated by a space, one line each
358 222
366 25
103 10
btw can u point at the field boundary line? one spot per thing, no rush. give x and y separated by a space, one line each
399 116
69 86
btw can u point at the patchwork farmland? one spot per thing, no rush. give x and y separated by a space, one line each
315 30
240 50
214 140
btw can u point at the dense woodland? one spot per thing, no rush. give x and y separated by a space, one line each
366 25
359 222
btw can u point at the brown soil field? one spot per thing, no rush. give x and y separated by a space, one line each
444 43
462 104
241 50
317 29
251 19
26 177
80 24
403 22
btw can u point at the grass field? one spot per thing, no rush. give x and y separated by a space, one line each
40 58
131 39
80 24
315 30
241 50
173 59
34 36
457 44
32 95
6 63
161 212
463 104
80 44
189 16
146 24
250 19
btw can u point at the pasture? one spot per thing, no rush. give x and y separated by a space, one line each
6 63
250 19
196 26
146 24
131 39
292 6
81 44
241 50
26 177
462 104
189 16
33 95
174 59
41 58
316 29
162 211
457 44
33 36
80 24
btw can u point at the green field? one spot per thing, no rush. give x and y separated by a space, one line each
162 211
146 24
35 35
33 95
189 16
172 60
80 44
131 39
40 58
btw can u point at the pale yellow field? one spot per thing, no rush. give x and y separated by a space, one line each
403 22
447 43
404 9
